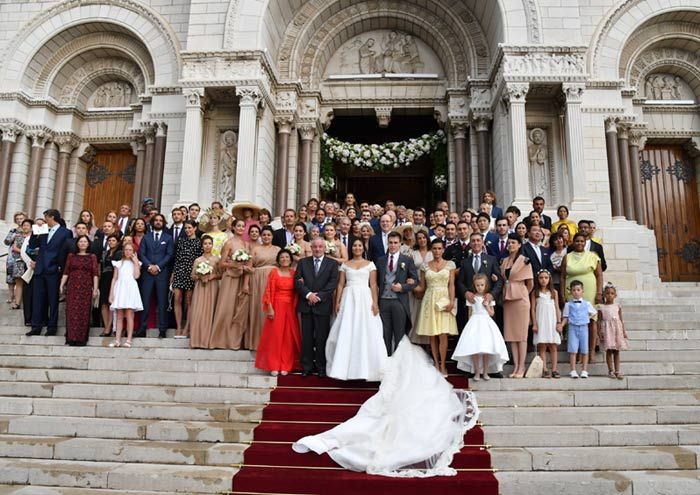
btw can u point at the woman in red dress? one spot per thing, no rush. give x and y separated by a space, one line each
280 342
82 275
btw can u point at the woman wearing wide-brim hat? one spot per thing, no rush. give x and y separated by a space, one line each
248 212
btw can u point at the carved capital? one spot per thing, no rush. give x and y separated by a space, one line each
307 131
161 128
515 93
383 115
623 130
138 142
149 131
39 137
10 132
284 123
249 96
637 137
573 92
611 124
482 121
67 143
194 97
459 129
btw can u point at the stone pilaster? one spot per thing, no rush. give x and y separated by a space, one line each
9 138
149 132
39 138
483 146
138 146
573 93
249 98
637 139
66 145
190 171
459 131
284 129
514 96
613 167
625 172
159 160
307 132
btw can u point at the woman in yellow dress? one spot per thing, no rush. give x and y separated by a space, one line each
437 287
584 266
211 224
563 214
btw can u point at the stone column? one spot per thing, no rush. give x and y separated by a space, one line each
39 139
574 145
192 147
307 132
149 133
462 183
9 138
636 142
514 96
250 97
66 145
158 161
483 144
613 167
138 146
284 129
625 172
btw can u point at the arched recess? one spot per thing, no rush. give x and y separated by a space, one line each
130 16
618 26
682 63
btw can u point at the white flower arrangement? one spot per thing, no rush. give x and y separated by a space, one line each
327 184
293 248
330 247
440 182
382 156
203 268
240 255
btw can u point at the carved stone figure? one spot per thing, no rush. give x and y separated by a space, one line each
663 87
367 57
397 52
112 95
537 156
227 162
391 54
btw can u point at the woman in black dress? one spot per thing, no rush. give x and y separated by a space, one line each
187 249
112 253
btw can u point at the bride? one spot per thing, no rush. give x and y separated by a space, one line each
412 427
355 347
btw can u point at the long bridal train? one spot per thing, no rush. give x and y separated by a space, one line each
412 427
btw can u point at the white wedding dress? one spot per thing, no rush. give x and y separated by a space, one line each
355 347
412 427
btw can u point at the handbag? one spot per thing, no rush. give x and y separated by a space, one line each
96 300
536 368
443 302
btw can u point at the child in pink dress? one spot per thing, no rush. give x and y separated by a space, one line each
611 331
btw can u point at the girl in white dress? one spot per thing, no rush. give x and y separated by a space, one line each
546 321
124 295
481 340
355 347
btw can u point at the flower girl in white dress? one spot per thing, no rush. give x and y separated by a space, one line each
481 340
355 348
125 297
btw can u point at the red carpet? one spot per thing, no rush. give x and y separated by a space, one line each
306 406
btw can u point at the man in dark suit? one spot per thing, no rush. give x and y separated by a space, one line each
584 226
478 261
379 243
538 206
460 248
285 236
177 229
125 220
47 272
344 235
396 277
155 253
539 255
316 278
497 242
99 245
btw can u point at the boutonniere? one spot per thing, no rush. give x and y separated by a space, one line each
488 243
403 265
484 262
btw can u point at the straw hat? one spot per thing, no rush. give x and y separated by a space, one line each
237 209
366 224
400 229
204 224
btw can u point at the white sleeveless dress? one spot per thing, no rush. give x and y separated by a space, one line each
126 289
355 347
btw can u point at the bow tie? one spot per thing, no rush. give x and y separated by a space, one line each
578 302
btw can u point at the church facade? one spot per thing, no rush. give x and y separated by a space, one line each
591 104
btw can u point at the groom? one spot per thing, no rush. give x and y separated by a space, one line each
396 277
315 279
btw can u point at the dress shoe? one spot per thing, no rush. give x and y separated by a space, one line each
51 332
33 331
140 333
161 334
305 373
322 374
496 375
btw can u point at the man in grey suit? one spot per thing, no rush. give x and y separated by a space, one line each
396 277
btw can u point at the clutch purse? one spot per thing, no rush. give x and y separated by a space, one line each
442 303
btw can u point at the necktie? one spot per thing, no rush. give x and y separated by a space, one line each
51 231
317 265
391 263
503 246
345 241
157 236
104 242
177 233
476 262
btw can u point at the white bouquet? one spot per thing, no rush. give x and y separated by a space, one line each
293 248
202 270
240 255
330 247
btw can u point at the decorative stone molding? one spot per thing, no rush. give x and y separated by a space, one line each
548 64
383 116
10 132
611 124
651 60
286 101
66 142
138 141
637 136
230 24
161 128
307 130
459 129
194 97
39 137
482 121
515 93
149 131
532 17
284 123
573 92
248 95
89 155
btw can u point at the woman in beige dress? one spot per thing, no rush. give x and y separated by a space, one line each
517 271
299 234
340 254
206 290
264 260
231 315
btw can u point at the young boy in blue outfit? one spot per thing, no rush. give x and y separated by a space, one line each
577 313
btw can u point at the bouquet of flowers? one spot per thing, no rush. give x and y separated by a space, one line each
330 247
293 248
203 269
240 255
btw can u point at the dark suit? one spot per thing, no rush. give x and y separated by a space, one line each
350 239
161 254
489 266
395 312
47 277
496 212
180 235
494 246
376 247
456 253
127 228
546 222
537 265
279 238
315 319
598 249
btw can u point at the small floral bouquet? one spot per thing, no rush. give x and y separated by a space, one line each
240 255
203 269
330 247
293 248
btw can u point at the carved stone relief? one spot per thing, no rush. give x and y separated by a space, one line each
545 63
112 94
384 52
228 152
666 87
538 158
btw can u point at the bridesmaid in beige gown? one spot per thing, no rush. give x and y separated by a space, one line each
264 260
231 315
299 234
206 290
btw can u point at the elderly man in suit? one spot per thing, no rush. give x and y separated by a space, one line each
396 277
379 243
316 278
539 255
47 272
155 253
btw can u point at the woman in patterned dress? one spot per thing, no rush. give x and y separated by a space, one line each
81 275
187 249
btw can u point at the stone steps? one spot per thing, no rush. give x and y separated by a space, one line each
57 490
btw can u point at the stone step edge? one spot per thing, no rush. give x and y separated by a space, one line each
69 490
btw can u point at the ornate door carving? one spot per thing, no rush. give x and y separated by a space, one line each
670 190
109 181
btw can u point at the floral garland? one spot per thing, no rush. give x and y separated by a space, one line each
385 156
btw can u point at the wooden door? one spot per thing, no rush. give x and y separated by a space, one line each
671 195
109 182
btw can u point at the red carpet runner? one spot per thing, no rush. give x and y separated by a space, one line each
306 406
